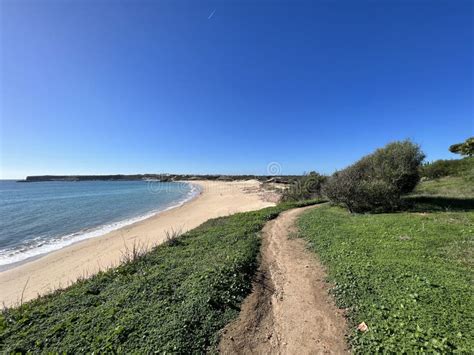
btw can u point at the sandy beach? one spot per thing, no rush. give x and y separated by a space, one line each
61 268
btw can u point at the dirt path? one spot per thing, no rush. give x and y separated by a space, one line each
289 310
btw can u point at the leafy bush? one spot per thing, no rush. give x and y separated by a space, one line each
442 168
306 188
376 182
435 170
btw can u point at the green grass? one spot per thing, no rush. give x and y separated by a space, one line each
454 179
448 186
409 276
173 299
449 193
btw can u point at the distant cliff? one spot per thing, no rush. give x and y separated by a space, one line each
161 177
91 177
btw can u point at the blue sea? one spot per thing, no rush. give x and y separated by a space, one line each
39 217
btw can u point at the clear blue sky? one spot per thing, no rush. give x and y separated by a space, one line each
229 86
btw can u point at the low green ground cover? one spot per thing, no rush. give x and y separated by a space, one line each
409 276
173 299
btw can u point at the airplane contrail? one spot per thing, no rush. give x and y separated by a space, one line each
212 14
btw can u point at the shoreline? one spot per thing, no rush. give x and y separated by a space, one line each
60 268
99 231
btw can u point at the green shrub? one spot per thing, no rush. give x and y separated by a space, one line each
454 167
435 170
376 182
306 188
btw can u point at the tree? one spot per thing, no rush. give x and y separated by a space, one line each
465 148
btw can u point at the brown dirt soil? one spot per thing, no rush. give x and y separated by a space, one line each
289 310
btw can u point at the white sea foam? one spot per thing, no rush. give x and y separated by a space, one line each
41 246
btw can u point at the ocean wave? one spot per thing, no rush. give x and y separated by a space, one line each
39 246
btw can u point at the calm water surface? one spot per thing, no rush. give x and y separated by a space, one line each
39 217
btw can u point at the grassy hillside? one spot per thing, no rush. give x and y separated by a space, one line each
448 186
453 191
174 299
452 167
409 276
448 178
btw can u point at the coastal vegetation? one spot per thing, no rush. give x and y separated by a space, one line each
446 185
403 268
174 298
387 180
449 186
407 276
306 187
455 168
377 182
